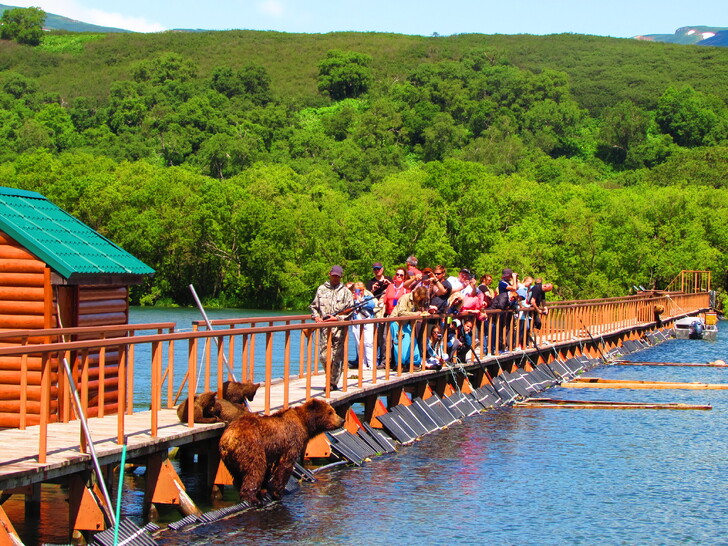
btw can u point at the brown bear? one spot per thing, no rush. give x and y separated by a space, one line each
205 406
260 451
210 410
236 392
228 411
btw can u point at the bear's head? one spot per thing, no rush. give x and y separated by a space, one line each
237 392
319 416
206 401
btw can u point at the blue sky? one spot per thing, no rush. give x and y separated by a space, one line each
618 18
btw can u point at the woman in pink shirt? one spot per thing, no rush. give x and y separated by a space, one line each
394 291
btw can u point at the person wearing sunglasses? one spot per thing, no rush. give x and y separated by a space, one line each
377 285
394 291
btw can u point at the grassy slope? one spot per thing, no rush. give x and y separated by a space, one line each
602 70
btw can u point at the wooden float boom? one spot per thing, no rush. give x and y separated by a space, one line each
600 383
686 364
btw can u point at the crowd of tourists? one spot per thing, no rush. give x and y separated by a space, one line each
455 308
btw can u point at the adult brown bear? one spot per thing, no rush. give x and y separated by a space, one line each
260 451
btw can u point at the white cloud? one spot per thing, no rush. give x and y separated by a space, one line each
272 7
107 19
73 10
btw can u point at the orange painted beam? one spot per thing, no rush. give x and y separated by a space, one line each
379 409
318 446
352 422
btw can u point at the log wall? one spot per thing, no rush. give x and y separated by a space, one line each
27 302
24 286
102 306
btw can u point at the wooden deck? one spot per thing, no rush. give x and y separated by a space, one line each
19 448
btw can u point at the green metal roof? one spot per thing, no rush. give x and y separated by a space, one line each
66 244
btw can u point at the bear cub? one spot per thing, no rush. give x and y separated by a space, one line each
208 409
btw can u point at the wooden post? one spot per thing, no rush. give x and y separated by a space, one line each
121 396
85 513
318 447
45 407
268 369
352 422
373 408
165 487
170 370
8 534
192 383
157 386
286 368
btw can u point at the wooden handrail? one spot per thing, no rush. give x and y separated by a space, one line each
566 321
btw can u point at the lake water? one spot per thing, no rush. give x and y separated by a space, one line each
528 476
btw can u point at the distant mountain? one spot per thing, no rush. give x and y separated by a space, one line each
58 22
696 35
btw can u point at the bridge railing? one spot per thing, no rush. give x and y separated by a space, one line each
277 351
691 282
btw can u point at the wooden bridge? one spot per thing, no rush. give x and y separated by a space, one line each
144 393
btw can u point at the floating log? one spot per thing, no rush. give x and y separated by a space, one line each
717 364
599 383
582 404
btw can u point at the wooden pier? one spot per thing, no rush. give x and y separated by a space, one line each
54 450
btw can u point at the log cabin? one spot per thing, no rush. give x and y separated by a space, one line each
55 271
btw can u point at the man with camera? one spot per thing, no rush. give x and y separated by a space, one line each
461 283
333 302
439 300
508 282
377 285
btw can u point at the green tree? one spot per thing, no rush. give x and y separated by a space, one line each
59 125
691 118
344 74
252 81
24 25
164 68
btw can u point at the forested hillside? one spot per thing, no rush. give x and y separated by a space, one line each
249 162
